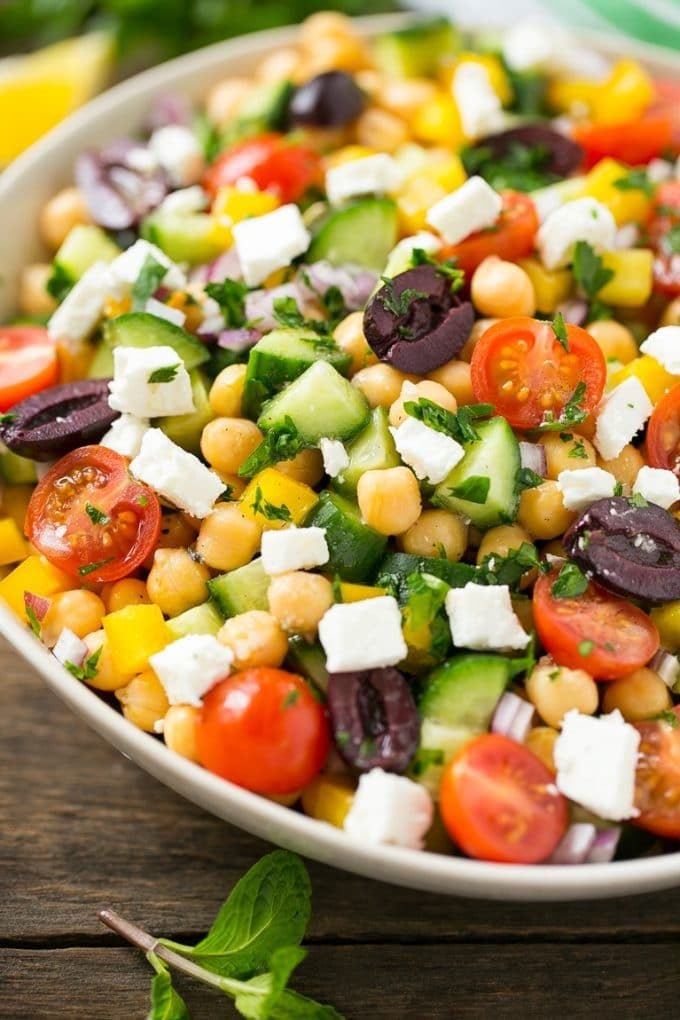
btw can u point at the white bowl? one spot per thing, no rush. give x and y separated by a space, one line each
24 187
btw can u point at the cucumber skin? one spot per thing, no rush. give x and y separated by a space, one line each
341 238
241 590
189 238
84 245
309 660
395 568
140 329
202 619
372 449
354 548
186 429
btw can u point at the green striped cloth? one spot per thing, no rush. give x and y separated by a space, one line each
651 21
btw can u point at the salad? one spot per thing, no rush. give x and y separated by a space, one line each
341 439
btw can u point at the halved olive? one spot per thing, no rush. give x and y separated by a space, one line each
559 154
330 99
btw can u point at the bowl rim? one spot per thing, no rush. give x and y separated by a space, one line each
451 875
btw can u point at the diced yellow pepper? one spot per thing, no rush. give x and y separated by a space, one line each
653 376
359 592
551 286
238 204
13 545
667 620
274 500
134 634
15 500
423 189
113 307
35 575
347 154
498 77
438 122
631 284
328 799
623 97
626 205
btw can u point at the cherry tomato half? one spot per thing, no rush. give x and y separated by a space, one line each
511 238
663 433
606 635
657 779
274 162
664 219
28 363
263 729
632 142
91 519
521 368
499 802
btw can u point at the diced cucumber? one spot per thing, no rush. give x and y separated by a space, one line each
395 568
203 619
16 470
192 238
281 356
362 233
101 366
320 403
416 51
372 450
529 90
264 109
241 590
354 548
81 248
309 660
140 329
494 456
186 429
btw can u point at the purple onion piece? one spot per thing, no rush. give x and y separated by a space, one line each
574 311
604 847
238 339
512 717
532 456
575 846
38 604
666 666
118 194
170 109
59 419
259 305
225 267
354 283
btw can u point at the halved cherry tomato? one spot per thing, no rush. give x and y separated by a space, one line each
91 519
657 779
274 162
499 802
664 218
603 634
663 433
263 729
28 363
511 238
632 142
520 366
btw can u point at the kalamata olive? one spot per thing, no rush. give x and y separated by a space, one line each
329 100
121 183
59 419
627 548
415 321
562 154
374 718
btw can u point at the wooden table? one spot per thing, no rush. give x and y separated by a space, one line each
83 828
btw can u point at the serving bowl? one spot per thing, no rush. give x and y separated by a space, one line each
24 188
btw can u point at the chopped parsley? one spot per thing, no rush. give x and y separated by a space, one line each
578 450
336 587
560 330
282 442
88 670
268 510
585 648
671 240
521 167
425 758
59 283
553 675
618 489
147 283
291 698
287 313
90 568
367 747
419 257
8 418
231 297
143 500
637 501
165 374
96 515
474 489
635 180
398 304
527 479
570 582
591 275
669 717
33 620
226 495
573 412
511 568
342 738
458 426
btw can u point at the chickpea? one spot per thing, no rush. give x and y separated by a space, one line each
381 384
433 391
143 701
33 296
436 532
566 454
477 332
65 210
107 677
640 695
176 582
180 730
456 376
333 52
671 315
389 500
228 539
227 442
226 393
279 65
322 24
405 96
298 600
381 130
542 513
349 336
79 610
225 98
625 467
614 340
256 638
499 541
306 467
128 592
555 690
500 289
541 740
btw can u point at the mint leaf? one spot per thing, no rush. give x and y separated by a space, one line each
570 583
165 374
147 283
231 297
258 998
166 1003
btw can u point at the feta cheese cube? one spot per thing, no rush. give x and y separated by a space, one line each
371 175
595 760
293 549
189 667
162 311
184 202
362 635
474 206
335 456
528 46
389 809
176 475
583 219
479 107
431 454
80 311
133 391
664 345
270 242
583 486
621 414
659 170
657 485
179 153
125 435
482 618
128 265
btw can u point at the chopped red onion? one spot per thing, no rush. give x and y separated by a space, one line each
38 604
70 648
354 283
225 266
260 305
238 339
576 844
170 109
604 847
575 311
532 456
667 667
117 192
512 717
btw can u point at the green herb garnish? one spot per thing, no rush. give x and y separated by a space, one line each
671 240
448 268
231 297
147 283
560 330
398 304
59 283
165 374
637 500
425 758
578 450
511 568
585 648
8 418
89 568
458 426
591 275
33 620
570 582
268 510
282 442
96 515
635 180
669 717
290 698
527 479
573 412
521 167
88 670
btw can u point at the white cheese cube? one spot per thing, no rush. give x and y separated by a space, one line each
335 456
184 202
371 175
479 108
659 170
128 265
270 242
431 454
389 809
162 311
583 219
179 153
595 760
133 391
583 486
362 635
657 485
125 435
189 667
621 414
528 46
293 549
474 206
423 239
77 316
482 618
176 475
664 345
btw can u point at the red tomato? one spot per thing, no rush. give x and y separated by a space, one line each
511 238
657 780
632 142
664 218
272 161
89 517
606 635
263 729
521 368
663 433
28 363
499 802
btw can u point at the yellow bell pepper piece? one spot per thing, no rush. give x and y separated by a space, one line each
328 799
423 189
347 154
15 500
13 545
238 204
623 97
667 620
359 592
631 284
551 286
498 77
653 376
626 204
35 575
437 122
134 634
275 501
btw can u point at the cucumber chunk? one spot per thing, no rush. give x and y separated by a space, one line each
354 548
16 470
186 429
81 248
395 568
241 590
309 660
101 366
361 233
320 403
417 51
140 329
203 619
372 450
188 238
264 109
